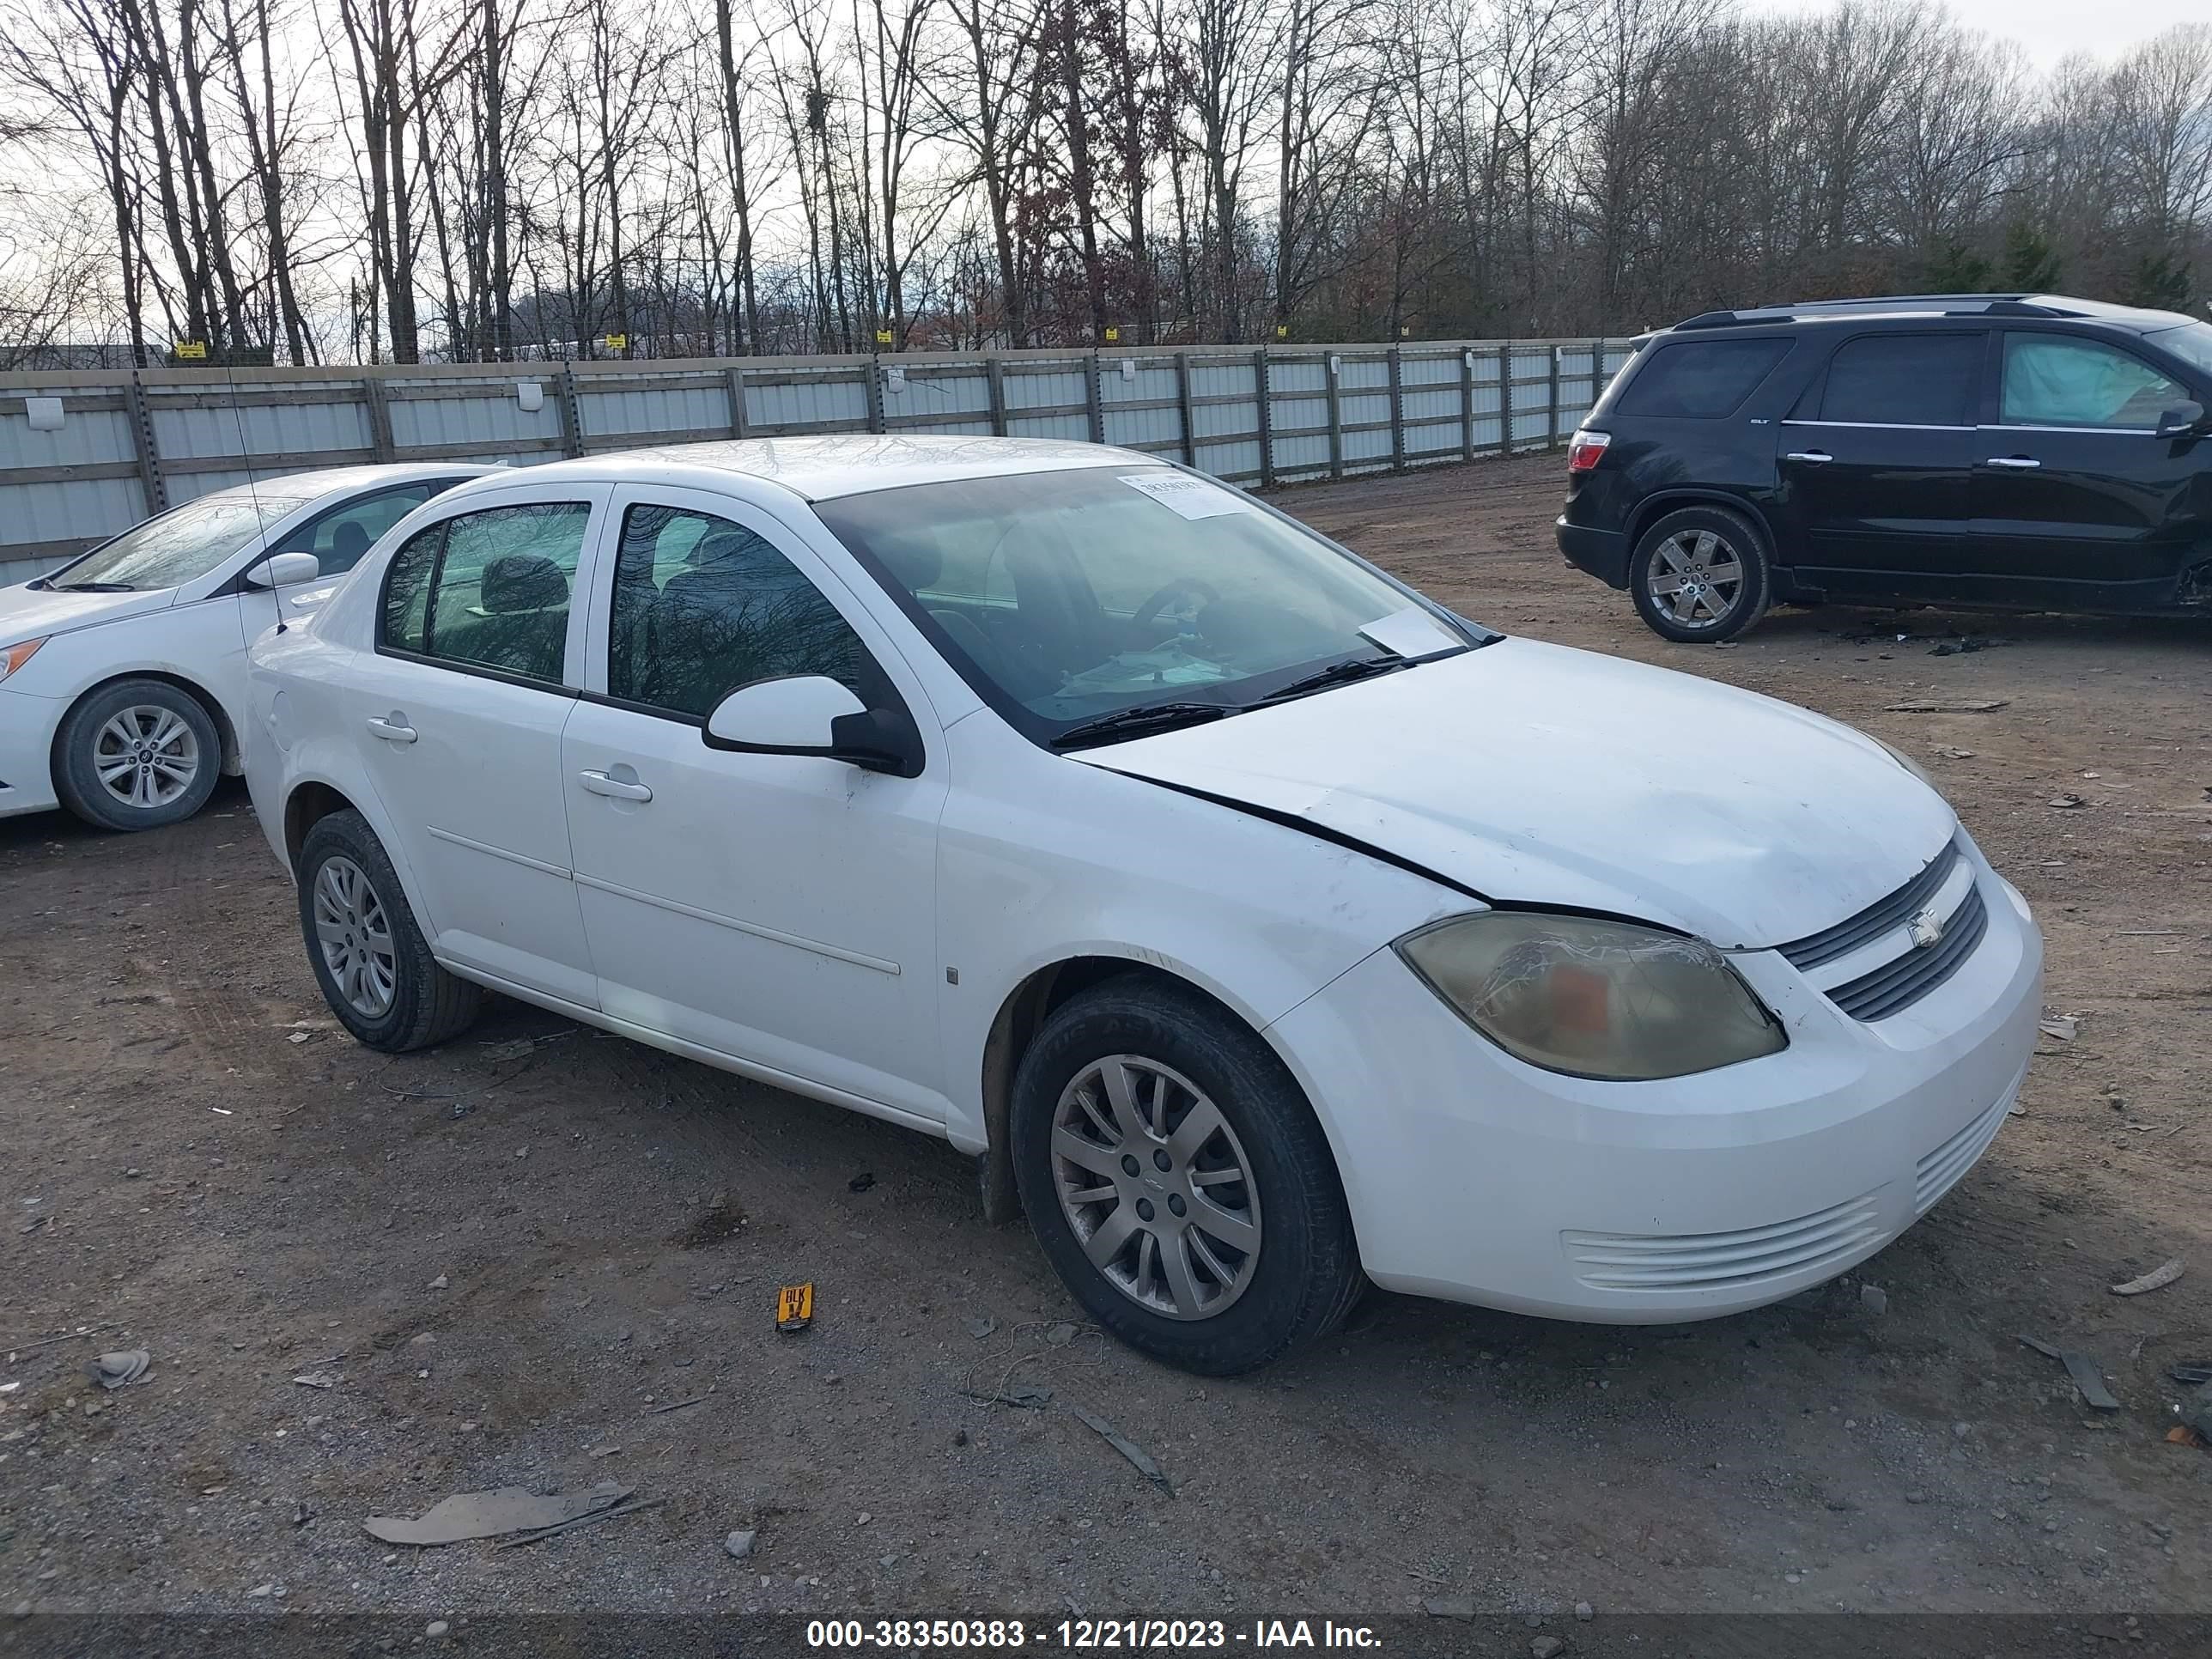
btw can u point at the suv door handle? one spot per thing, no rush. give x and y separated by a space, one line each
1810 457
2018 462
601 784
392 728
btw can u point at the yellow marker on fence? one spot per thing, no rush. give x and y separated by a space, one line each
614 342
1113 335
883 337
794 1307
185 348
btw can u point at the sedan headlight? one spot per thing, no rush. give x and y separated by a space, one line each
13 657
1593 998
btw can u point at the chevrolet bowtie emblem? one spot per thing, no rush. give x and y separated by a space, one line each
1926 929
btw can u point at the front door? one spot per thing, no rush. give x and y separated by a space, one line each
1876 466
778 908
465 700
2078 501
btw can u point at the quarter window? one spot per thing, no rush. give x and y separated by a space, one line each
2051 379
1701 380
490 589
702 606
1904 379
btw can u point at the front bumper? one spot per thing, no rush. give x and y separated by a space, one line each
1476 1178
26 749
1603 553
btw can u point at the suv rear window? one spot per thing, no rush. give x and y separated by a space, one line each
1905 379
1701 380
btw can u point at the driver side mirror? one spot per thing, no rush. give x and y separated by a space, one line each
2182 421
813 714
282 569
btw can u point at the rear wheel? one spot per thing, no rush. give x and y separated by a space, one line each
1178 1182
1700 575
136 755
369 956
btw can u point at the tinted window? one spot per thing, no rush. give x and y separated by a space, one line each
702 606
1700 379
340 537
1905 379
490 589
2051 379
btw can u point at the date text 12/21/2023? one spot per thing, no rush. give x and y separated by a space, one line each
897 1635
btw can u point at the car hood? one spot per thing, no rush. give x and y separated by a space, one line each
27 613
1532 774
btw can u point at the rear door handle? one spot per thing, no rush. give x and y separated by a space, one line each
601 784
2017 463
392 728
1810 457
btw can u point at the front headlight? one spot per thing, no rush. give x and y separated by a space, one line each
13 657
1593 998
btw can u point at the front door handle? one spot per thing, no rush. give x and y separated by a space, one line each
2017 463
393 727
601 784
1810 457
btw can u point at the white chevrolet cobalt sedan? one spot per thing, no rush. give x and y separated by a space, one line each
1267 927
123 672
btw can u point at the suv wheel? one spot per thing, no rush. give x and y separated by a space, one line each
136 755
1700 575
1178 1182
369 956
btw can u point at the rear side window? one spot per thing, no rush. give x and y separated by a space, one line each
490 589
1905 379
1701 380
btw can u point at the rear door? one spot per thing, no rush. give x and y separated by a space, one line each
1877 463
2078 501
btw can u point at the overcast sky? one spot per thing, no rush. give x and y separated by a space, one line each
2050 29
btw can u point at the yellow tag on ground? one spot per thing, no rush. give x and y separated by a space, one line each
794 1306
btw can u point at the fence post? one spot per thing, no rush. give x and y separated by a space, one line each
737 377
1467 403
1551 415
994 370
1094 396
1397 411
875 392
1183 403
1505 398
572 415
1332 363
1267 419
142 443
380 418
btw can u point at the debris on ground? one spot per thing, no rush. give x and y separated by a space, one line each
591 1519
1138 1457
2182 1435
469 1515
1061 1334
120 1369
1547 1647
518 1047
2062 1026
2066 802
981 1326
1952 752
440 1282
2191 1375
2088 1376
861 1182
1990 708
675 1405
1448 1607
2156 1279
1029 1399
2196 1411
794 1306
739 1545
1874 1298
316 1380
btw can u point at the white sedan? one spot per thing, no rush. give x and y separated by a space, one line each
123 673
1265 927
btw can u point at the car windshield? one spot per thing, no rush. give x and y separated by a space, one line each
1067 596
179 545
2190 341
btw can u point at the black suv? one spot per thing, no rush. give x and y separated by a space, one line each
2014 450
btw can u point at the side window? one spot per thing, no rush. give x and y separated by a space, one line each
488 589
702 606
1905 379
2051 380
1701 380
340 537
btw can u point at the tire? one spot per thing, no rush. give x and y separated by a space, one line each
136 755
1212 1306
394 997
1676 547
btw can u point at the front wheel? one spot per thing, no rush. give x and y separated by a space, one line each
136 755
1700 575
369 956
1178 1181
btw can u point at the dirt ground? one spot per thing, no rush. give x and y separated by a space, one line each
507 1255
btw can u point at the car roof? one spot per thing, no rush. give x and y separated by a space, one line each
1924 308
823 466
326 481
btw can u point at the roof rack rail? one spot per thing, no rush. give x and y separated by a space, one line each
1939 305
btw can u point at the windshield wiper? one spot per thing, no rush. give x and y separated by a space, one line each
1337 674
93 587
1161 716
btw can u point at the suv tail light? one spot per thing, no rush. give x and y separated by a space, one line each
1586 449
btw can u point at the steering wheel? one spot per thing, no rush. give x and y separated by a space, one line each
1149 611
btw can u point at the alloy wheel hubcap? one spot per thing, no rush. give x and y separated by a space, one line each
1695 579
145 757
355 937
1157 1187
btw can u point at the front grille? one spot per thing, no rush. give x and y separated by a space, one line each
1875 919
1712 1261
1938 1172
1895 985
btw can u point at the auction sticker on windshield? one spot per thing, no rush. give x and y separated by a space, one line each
1194 498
